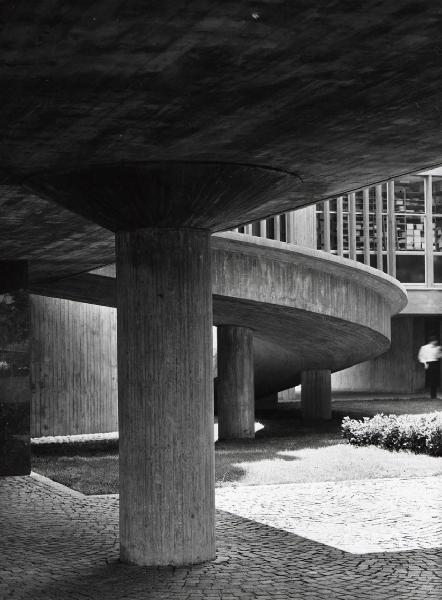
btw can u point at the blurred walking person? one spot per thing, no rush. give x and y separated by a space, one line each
429 356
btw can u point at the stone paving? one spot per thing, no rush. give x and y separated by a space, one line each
374 515
284 542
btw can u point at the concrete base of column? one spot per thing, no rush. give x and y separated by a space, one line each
316 394
15 390
236 406
165 389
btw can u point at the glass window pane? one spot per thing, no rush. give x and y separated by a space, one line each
410 268
401 233
372 232
409 194
437 234
345 245
282 228
320 207
437 194
333 205
333 231
384 198
372 199
410 233
359 201
437 268
384 232
374 262
359 232
320 231
256 228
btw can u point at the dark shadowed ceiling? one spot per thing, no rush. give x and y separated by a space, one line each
289 101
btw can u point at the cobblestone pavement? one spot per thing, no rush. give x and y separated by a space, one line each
374 515
59 545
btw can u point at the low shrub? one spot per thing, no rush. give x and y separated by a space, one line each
421 434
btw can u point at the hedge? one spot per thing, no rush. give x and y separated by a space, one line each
417 433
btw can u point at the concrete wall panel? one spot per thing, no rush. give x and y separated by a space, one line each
395 371
73 367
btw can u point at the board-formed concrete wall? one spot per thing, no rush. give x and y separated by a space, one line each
395 371
73 367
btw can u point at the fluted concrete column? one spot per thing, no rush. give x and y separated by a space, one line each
15 390
316 394
236 405
165 389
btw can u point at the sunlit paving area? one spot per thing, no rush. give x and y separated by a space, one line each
314 540
300 514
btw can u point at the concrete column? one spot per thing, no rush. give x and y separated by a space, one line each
165 389
316 394
236 406
15 390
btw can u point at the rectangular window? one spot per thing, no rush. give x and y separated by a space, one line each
359 201
410 233
437 234
320 231
360 234
282 228
409 194
437 195
372 232
410 268
437 268
372 199
333 232
345 238
256 230
384 198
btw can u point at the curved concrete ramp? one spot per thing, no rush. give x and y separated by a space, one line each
308 309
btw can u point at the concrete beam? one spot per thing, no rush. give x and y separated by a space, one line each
423 302
86 287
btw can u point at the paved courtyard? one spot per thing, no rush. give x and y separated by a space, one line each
374 539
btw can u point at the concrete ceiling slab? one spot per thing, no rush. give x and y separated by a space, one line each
336 94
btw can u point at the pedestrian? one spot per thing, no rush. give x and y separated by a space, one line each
429 356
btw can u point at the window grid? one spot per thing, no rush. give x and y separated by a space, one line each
395 226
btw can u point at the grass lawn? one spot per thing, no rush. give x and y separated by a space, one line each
90 472
285 451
